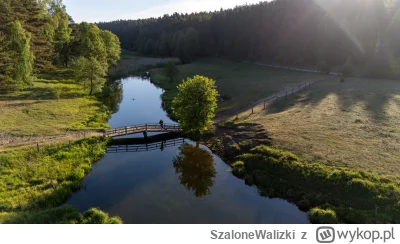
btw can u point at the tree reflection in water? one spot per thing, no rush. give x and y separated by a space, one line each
112 95
195 167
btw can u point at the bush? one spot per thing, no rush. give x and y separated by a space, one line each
232 151
304 204
246 145
57 91
238 169
323 216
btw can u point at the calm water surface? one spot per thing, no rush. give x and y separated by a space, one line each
179 184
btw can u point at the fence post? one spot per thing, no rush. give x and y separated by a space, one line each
38 147
146 126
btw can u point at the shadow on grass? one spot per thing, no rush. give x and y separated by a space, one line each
62 75
373 94
41 93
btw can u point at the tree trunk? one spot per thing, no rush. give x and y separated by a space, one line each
91 86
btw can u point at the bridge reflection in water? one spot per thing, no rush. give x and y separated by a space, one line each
158 142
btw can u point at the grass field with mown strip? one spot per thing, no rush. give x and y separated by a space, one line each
244 84
354 124
36 111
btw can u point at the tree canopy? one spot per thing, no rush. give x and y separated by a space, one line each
195 104
38 35
301 32
90 72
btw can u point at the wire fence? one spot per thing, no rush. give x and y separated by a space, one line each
273 98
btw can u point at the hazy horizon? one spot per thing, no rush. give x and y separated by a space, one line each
106 10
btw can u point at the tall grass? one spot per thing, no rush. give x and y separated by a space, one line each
333 194
32 183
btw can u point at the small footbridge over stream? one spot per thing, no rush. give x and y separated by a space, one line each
143 128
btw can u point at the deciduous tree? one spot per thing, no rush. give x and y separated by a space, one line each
195 104
17 63
91 73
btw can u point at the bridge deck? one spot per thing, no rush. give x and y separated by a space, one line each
129 130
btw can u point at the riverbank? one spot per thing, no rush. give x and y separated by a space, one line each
57 117
330 194
35 184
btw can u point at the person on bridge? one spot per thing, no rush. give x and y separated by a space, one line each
162 123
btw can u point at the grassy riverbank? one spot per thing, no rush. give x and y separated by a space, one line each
334 194
239 84
330 194
33 185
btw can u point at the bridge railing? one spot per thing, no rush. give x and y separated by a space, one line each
146 147
141 128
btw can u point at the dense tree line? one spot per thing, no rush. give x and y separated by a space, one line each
38 35
327 33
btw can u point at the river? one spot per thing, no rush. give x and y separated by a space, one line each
175 184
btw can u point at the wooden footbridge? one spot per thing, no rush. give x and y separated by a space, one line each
144 147
144 128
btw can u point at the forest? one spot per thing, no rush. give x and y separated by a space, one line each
311 33
38 36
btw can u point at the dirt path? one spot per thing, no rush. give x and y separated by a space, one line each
288 90
9 141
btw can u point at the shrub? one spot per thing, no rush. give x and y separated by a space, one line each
304 204
232 151
249 180
323 216
238 169
246 145
57 91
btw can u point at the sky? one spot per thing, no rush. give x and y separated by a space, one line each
107 10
